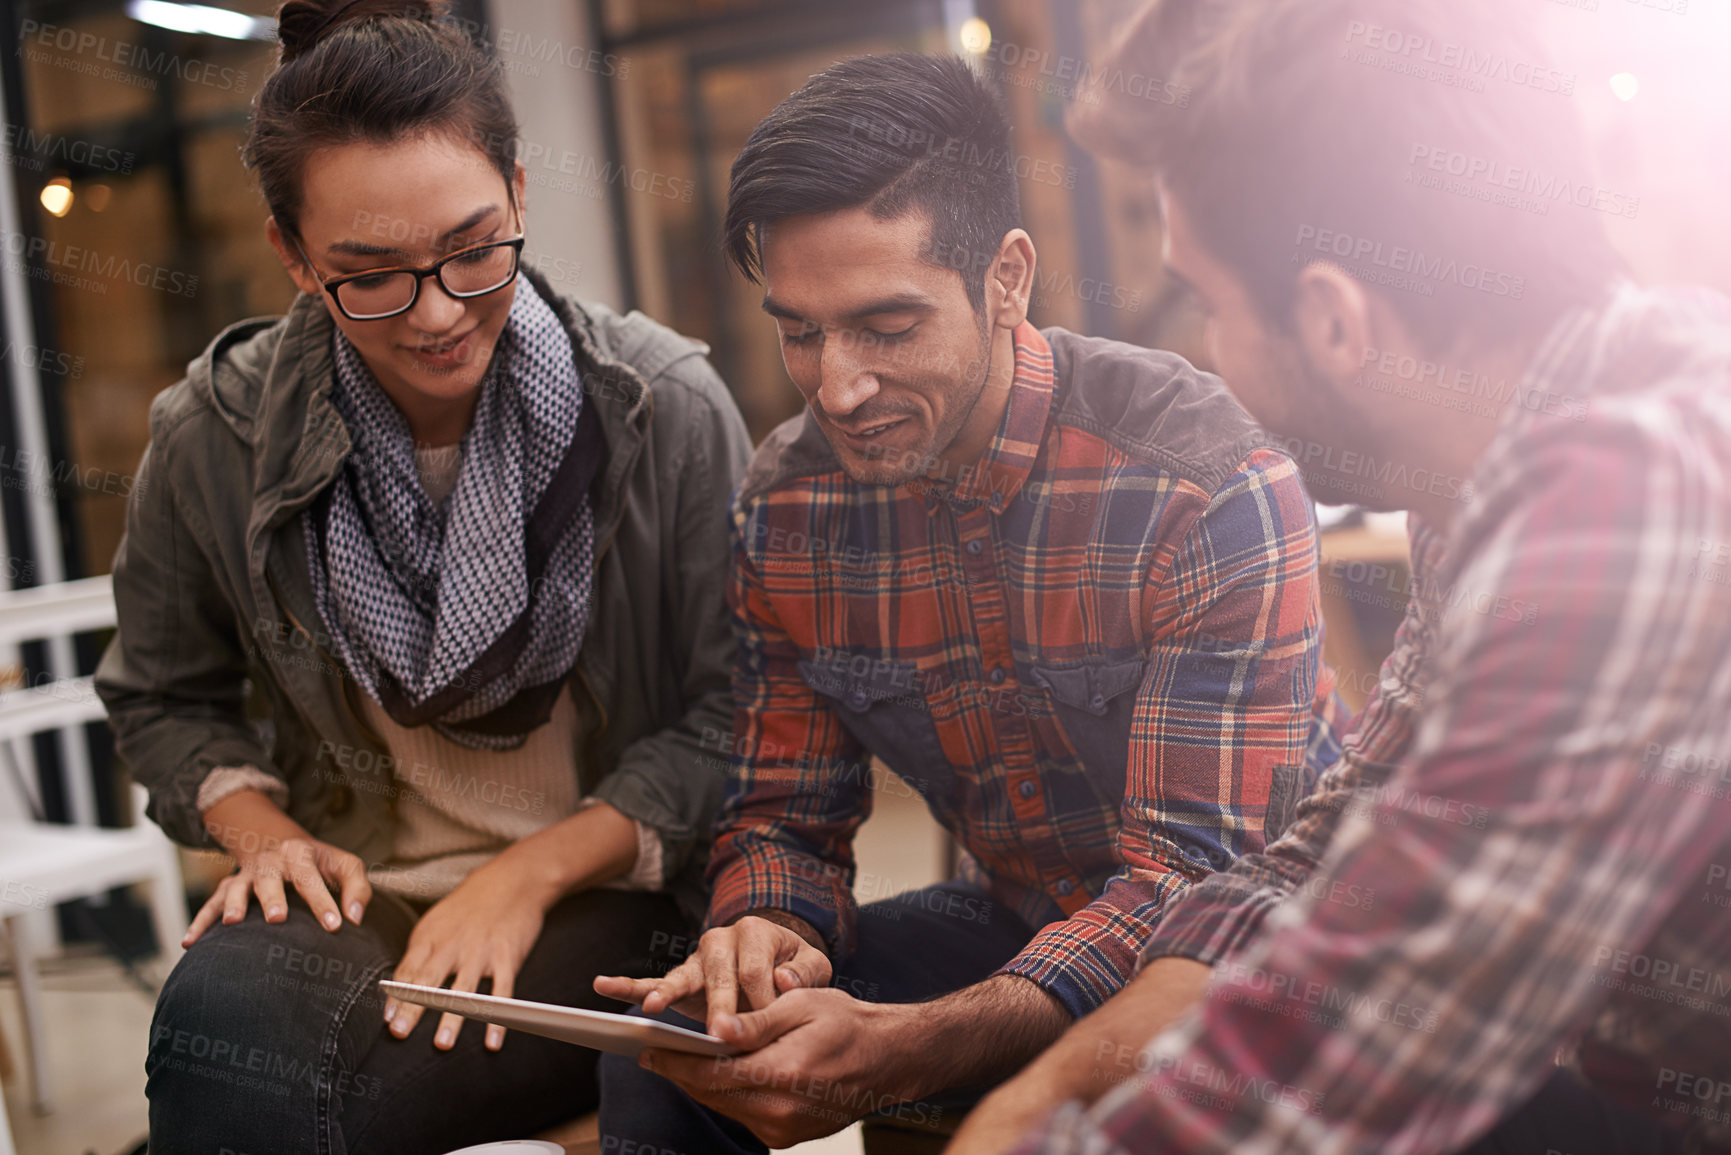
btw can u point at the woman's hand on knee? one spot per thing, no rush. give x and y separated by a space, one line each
312 867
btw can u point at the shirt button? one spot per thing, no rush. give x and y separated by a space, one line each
1065 886
998 676
859 699
1027 789
976 546
1098 701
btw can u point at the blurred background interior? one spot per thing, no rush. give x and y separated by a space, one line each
130 235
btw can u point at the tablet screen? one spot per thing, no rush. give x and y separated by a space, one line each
601 1030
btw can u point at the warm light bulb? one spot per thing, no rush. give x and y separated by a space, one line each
976 36
57 196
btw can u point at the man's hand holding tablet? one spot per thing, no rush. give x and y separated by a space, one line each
740 967
810 1054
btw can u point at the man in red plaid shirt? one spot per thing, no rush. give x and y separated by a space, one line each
1538 798
1061 587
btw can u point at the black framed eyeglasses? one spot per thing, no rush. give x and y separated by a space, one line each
380 293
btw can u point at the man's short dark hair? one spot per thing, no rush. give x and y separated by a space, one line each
894 134
1428 147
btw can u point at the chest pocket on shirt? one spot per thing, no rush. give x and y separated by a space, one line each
1094 702
883 704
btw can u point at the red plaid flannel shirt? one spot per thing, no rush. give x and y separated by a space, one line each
1096 656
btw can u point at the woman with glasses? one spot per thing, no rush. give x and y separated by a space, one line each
422 621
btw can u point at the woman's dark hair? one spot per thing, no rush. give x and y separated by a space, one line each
896 134
372 70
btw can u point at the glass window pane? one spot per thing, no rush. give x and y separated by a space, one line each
160 243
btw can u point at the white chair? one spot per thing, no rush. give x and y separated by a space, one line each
42 864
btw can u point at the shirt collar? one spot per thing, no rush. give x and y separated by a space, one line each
997 477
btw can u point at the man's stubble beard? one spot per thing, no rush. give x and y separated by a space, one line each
919 464
1330 421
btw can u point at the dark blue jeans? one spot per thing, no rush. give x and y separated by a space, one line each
1567 1117
270 1038
911 948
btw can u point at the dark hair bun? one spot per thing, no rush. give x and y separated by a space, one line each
301 24
376 70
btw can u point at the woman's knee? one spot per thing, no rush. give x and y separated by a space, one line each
248 996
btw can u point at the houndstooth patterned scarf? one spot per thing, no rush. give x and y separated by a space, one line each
468 614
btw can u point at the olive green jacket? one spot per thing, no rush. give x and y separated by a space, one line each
212 589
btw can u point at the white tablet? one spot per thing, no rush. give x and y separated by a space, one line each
602 1030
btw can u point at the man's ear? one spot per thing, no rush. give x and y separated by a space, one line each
520 187
1010 281
290 257
1332 322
